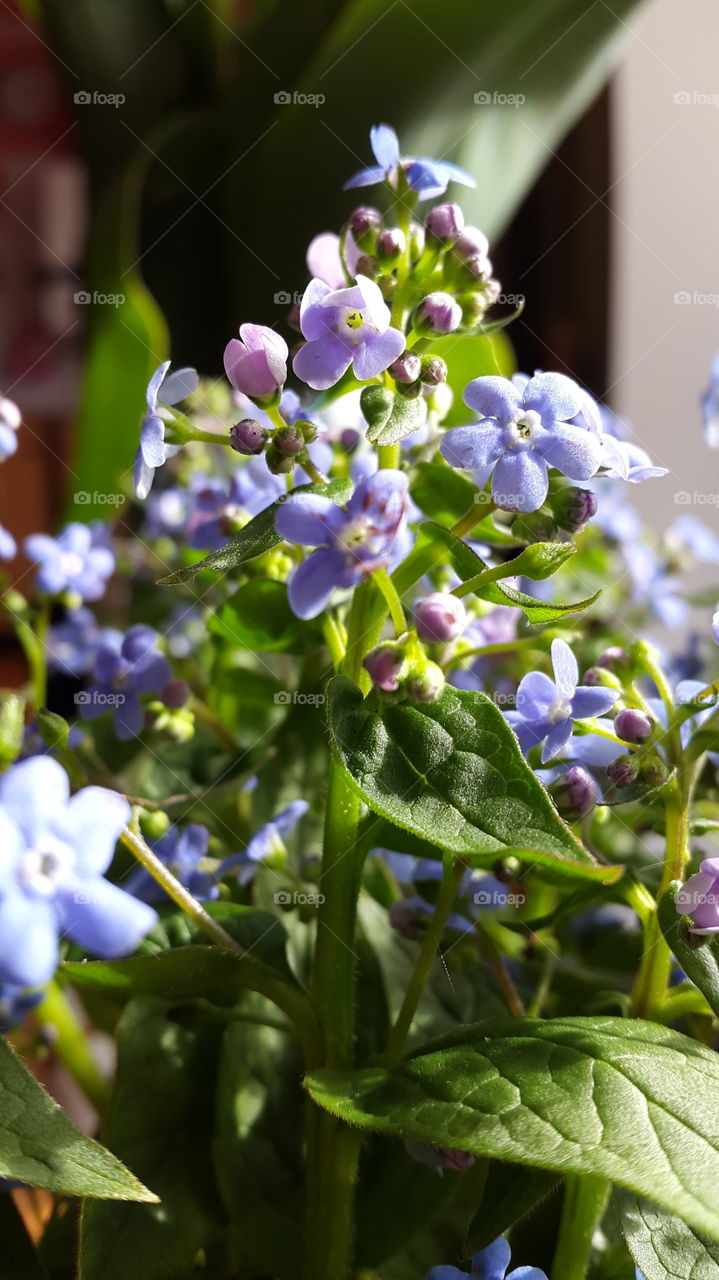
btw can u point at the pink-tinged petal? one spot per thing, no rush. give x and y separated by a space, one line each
323 260
178 385
572 450
710 866
259 337
564 664
321 363
520 482
307 519
493 397
373 303
377 353
313 582
554 395
473 448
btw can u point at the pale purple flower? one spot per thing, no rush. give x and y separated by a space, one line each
546 709
72 644
698 899
352 542
697 537
182 852
429 178
10 422
163 389
78 562
627 461
345 327
8 545
521 434
440 617
489 1264
125 667
265 843
56 850
256 362
324 259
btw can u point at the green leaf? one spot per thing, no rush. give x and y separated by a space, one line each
20 1260
538 561
699 958
662 1246
255 538
470 356
258 617
161 1118
451 772
441 492
628 1101
390 417
184 973
510 1193
41 1146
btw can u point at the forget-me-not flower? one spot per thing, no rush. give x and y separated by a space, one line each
546 709
489 1264
125 667
429 178
344 327
163 389
182 852
78 562
269 840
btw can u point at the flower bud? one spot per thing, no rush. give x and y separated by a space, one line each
653 772
575 793
449 1158
391 244
622 771
279 463
289 441
364 223
248 437
613 658
366 266
573 507
175 694
444 224
633 725
425 681
406 368
256 362
600 676
474 307
153 823
434 371
405 919
387 666
535 526
471 244
440 617
438 313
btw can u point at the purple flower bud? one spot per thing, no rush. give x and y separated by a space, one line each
438 313
434 371
622 771
364 223
698 899
425 681
612 658
248 436
391 244
440 617
445 223
573 507
407 368
366 266
472 244
256 362
289 441
633 725
451 1159
387 664
576 793
175 694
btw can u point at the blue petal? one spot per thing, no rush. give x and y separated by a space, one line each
474 447
554 395
287 820
535 695
143 476
308 519
557 739
33 793
91 824
28 940
365 178
566 671
153 386
152 441
104 919
493 397
385 146
520 482
572 450
590 701
456 174
129 718
491 1263
139 641
313 582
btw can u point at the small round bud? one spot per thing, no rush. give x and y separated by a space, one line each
438 313
405 919
154 823
440 617
308 429
472 243
406 368
278 463
622 771
653 772
474 307
289 441
461 1161
387 285
576 793
248 437
387 666
600 676
573 507
633 725
366 266
364 223
613 658
409 390
425 681
434 371
175 694
444 224
391 244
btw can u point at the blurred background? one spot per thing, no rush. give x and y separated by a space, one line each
164 163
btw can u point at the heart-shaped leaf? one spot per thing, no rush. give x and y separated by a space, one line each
662 1246
390 417
452 773
629 1101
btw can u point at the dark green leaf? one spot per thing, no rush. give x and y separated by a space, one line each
452 773
510 1193
41 1146
255 538
161 1118
390 417
258 617
697 956
662 1246
19 1257
628 1101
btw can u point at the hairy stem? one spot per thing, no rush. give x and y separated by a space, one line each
585 1199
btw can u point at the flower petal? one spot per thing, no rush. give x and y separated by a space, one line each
520 482
91 824
493 397
491 1263
557 739
313 582
178 385
564 664
474 447
129 717
365 178
33 792
28 940
536 693
152 441
377 353
554 395
575 452
385 146
590 701
322 362
307 519
104 919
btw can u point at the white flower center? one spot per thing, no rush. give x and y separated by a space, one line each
561 709
45 866
522 432
72 564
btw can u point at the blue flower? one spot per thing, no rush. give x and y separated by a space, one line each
521 434
345 327
125 667
352 542
153 452
8 545
265 843
547 708
489 1264
182 852
55 852
710 406
15 1002
78 562
72 644
429 178
10 420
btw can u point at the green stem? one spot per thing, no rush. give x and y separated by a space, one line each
654 971
467 522
389 456
314 473
70 1044
585 1199
391 596
334 640
452 874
